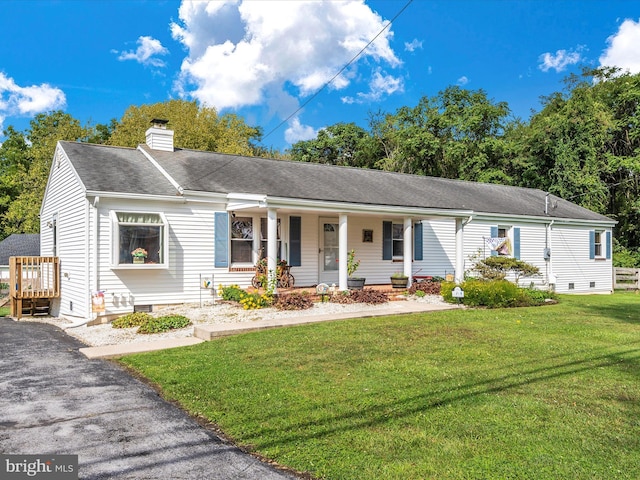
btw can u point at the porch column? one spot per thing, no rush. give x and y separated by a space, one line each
407 252
459 274
343 252
272 247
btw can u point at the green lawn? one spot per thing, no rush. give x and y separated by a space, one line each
547 393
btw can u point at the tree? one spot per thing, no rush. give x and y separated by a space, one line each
198 128
341 144
31 168
584 146
458 134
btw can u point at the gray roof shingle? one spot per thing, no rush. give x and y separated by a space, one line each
19 245
126 170
116 169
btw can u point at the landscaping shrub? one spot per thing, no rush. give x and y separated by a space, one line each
497 268
163 324
495 294
427 287
294 301
252 301
131 320
231 293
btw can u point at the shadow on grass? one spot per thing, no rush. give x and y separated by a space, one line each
622 306
378 415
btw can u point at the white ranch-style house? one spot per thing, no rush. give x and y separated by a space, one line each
143 226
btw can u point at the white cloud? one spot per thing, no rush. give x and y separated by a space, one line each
413 46
146 53
561 60
624 48
297 132
462 81
17 100
243 51
380 85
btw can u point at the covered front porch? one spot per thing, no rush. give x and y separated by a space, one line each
316 243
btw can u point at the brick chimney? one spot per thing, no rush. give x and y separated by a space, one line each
158 137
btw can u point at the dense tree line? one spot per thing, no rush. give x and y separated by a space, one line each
583 145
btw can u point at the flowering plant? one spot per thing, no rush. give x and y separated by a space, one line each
139 252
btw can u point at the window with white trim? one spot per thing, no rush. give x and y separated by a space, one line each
597 244
241 240
140 238
398 241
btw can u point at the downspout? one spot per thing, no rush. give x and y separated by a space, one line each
93 272
549 262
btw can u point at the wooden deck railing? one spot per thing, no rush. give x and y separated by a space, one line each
32 278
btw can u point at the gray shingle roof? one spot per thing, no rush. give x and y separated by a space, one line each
116 169
19 245
128 171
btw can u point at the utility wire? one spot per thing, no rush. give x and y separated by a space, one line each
339 72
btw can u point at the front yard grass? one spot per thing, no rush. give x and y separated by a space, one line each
547 392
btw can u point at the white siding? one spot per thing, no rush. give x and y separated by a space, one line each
571 262
190 250
439 248
532 245
65 198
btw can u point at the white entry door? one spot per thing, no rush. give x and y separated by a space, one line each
329 251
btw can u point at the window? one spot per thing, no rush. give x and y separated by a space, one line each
54 231
398 240
140 238
597 244
504 241
393 241
264 237
242 240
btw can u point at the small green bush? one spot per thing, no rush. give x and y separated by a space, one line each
164 324
495 294
294 301
253 301
129 320
231 293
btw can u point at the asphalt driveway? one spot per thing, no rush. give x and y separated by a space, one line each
53 400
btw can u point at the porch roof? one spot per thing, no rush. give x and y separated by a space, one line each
126 170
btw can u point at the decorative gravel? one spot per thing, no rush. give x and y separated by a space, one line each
105 334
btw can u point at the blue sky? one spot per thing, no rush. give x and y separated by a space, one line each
265 60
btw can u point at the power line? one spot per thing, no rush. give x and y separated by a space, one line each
339 72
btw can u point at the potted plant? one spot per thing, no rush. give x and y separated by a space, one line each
399 280
139 254
354 283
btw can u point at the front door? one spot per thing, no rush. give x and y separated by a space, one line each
329 251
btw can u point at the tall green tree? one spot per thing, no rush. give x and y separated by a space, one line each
30 167
343 144
457 134
584 146
195 127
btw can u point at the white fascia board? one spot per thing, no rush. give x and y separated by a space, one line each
339 207
498 217
135 196
241 201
